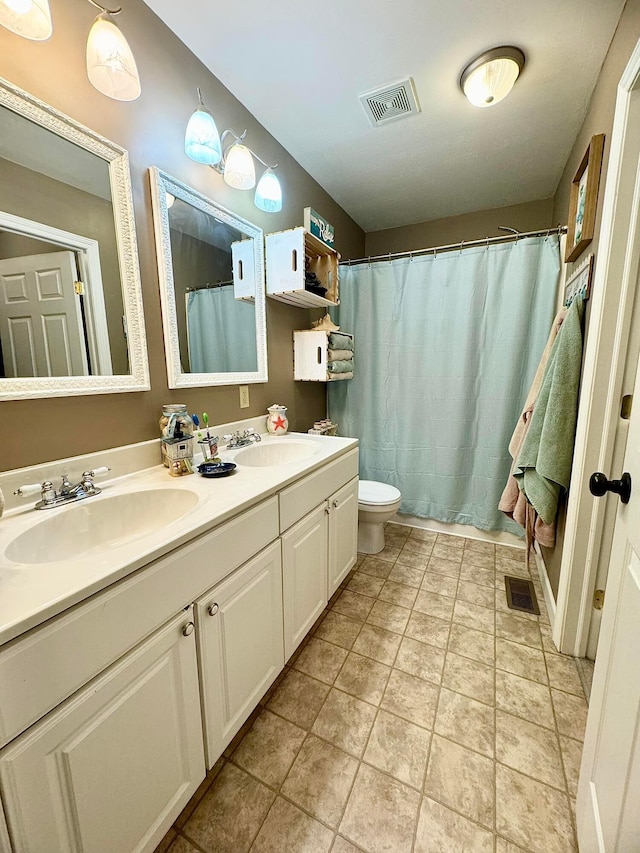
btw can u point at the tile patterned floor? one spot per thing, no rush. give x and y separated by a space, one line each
421 714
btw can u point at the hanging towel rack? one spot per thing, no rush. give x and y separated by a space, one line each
466 244
579 282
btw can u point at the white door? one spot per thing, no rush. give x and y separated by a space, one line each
110 769
343 533
40 320
240 646
304 576
608 803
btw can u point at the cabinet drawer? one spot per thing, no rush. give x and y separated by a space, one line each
302 497
42 668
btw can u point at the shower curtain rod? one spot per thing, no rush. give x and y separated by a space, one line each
208 286
463 244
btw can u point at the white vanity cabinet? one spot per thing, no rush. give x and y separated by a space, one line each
111 710
304 576
109 767
240 646
319 520
343 534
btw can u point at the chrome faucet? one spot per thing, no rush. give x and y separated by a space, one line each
238 439
67 493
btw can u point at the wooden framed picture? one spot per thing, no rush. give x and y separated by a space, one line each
584 200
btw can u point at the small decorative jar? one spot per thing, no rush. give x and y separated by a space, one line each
277 423
174 423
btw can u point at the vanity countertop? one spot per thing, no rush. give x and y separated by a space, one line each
31 593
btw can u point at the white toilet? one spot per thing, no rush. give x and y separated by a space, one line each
377 503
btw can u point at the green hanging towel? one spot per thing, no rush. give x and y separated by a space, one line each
543 466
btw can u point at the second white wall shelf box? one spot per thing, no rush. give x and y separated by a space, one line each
288 254
310 355
244 270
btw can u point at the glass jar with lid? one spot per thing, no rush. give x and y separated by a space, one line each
175 421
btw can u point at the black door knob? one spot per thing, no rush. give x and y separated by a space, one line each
599 485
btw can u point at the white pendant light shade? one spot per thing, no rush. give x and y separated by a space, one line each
490 77
201 139
268 193
30 19
239 171
110 64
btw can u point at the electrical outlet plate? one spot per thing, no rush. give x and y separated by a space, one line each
244 396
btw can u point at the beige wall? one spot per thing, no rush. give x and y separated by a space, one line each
599 119
152 130
470 226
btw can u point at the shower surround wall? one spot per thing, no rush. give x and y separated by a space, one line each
446 349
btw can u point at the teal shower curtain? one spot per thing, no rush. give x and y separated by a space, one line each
221 332
446 348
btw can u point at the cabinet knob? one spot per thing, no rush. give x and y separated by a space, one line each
187 629
335 504
213 609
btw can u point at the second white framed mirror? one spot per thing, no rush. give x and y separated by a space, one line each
211 268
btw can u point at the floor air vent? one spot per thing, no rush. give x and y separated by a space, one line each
521 595
391 102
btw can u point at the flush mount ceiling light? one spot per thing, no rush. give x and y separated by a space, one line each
111 67
30 19
205 145
490 77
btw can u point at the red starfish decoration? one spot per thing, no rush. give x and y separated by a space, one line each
279 423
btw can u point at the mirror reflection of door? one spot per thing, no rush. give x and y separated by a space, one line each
41 329
57 193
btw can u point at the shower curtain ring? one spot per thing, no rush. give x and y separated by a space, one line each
389 257
461 246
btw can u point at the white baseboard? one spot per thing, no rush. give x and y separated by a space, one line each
549 599
496 536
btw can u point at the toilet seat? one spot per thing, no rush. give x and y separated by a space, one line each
372 493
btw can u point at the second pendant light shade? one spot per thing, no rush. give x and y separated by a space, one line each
111 67
239 171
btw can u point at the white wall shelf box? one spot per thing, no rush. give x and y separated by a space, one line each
288 253
244 270
310 355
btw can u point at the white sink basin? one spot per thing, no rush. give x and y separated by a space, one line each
278 452
97 523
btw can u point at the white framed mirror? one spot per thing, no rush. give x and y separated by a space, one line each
71 318
214 329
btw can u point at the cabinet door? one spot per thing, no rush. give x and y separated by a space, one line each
112 767
240 646
304 576
343 533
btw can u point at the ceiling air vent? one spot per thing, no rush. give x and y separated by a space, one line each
391 102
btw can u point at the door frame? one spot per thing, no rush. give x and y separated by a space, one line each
612 297
87 252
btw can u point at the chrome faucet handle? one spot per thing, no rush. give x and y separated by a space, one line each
96 472
47 492
88 477
31 489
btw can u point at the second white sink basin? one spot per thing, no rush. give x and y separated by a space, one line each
98 523
278 452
